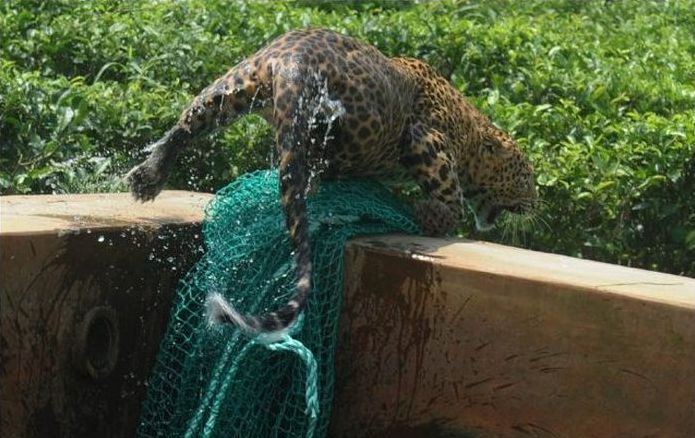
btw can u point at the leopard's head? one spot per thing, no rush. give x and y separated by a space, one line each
497 178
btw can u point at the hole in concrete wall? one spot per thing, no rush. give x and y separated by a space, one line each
97 345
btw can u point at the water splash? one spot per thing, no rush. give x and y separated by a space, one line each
323 111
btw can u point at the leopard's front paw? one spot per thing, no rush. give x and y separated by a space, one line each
435 217
145 181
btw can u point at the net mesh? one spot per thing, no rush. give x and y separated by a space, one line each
211 381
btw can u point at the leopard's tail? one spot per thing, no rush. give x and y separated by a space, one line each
272 326
293 134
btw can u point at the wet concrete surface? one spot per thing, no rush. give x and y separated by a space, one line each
455 338
86 286
438 337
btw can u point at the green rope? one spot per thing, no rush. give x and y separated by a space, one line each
213 395
312 398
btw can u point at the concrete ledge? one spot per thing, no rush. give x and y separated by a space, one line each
460 338
85 290
53 214
438 337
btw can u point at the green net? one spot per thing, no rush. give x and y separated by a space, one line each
211 381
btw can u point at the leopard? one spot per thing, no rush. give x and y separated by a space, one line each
375 116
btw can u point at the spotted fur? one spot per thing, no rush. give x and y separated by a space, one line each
385 116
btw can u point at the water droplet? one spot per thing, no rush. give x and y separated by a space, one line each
101 239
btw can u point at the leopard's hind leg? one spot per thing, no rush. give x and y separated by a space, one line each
229 97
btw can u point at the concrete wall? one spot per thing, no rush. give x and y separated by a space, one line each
438 337
471 339
85 287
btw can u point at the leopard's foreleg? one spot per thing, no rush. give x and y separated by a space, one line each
429 163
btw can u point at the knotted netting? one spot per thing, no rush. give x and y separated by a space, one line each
212 381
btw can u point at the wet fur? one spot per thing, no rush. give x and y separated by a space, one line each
388 116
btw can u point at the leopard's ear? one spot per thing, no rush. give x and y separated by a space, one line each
495 143
491 145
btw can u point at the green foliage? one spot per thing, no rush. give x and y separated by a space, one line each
600 94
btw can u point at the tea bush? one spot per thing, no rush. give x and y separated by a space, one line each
601 95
